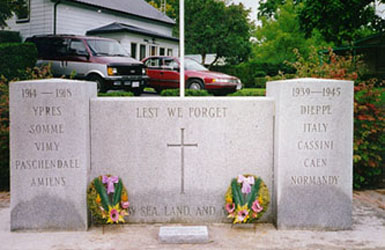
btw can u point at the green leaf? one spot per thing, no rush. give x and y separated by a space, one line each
254 192
118 192
102 192
238 197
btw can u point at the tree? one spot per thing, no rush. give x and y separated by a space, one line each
279 36
10 7
269 8
339 20
5 13
213 27
172 7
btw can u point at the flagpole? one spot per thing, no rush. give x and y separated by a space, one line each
181 49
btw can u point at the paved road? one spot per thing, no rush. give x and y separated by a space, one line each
368 232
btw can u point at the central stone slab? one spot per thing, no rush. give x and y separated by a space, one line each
177 156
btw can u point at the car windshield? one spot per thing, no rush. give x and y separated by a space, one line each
106 48
190 64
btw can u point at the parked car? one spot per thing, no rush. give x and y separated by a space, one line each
92 58
164 73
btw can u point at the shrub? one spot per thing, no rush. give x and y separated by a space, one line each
249 92
260 82
7 36
117 93
329 66
4 136
369 135
15 58
188 92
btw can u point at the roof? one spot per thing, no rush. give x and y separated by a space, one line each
118 27
132 7
68 36
372 41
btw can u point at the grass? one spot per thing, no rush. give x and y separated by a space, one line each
249 92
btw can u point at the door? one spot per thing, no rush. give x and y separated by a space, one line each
77 60
154 71
170 73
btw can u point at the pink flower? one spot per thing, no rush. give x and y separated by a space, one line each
114 215
123 213
125 204
242 215
257 207
230 207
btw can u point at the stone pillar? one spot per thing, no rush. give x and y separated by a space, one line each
50 153
313 152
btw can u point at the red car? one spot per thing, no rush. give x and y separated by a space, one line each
164 74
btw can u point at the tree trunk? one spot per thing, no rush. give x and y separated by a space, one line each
215 60
203 58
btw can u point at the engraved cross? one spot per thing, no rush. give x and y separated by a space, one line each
182 145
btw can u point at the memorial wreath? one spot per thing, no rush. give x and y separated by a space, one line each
107 199
247 199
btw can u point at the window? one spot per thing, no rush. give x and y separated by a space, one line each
170 63
153 50
77 46
51 47
133 50
142 51
162 51
22 11
106 48
169 52
153 63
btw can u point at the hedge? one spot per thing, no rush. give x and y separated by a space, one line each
7 36
249 92
15 58
116 93
188 92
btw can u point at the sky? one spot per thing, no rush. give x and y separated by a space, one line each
253 4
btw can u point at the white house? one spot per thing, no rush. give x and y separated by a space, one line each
139 27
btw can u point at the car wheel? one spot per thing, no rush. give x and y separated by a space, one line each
195 84
99 83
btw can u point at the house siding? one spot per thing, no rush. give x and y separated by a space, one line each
40 21
77 19
126 38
